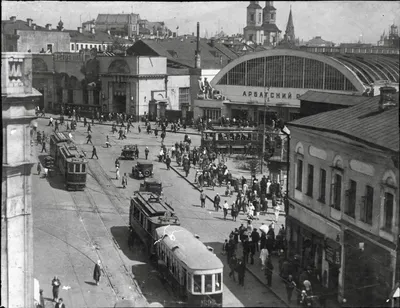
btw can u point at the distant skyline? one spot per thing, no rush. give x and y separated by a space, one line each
337 21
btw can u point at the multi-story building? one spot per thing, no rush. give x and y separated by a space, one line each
261 24
118 24
26 36
392 40
343 218
318 41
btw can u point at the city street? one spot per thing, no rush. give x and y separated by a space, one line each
85 226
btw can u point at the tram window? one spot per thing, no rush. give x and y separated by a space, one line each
208 283
218 282
136 212
77 168
71 168
141 219
197 283
83 168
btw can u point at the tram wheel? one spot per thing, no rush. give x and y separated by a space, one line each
146 173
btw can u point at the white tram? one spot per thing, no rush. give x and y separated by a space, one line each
192 267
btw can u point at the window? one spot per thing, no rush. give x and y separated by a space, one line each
367 205
213 114
77 168
83 168
136 212
322 185
337 192
259 17
351 193
250 37
184 97
208 282
72 47
50 47
70 168
388 212
299 180
272 15
251 17
197 283
218 282
310 180
86 46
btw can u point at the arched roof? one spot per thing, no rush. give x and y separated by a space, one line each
327 72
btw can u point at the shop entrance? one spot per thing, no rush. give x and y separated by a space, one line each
239 114
119 103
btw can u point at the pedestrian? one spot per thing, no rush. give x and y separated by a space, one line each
117 173
94 152
89 139
60 304
203 198
246 250
51 122
234 211
44 146
146 152
255 238
277 210
225 208
263 257
268 271
108 142
241 269
139 129
233 262
168 162
290 285
56 288
39 168
89 128
97 272
84 122
124 181
217 200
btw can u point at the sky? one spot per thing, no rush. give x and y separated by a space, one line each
337 21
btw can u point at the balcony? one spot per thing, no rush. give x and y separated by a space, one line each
16 74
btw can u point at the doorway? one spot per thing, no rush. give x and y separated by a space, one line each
119 103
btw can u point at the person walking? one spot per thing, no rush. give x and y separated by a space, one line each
89 128
168 162
268 271
60 304
203 198
39 168
44 146
117 173
146 152
234 211
277 210
108 142
51 122
139 129
225 208
84 122
89 139
94 153
97 272
124 181
241 269
56 283
217 200
290 286
233 262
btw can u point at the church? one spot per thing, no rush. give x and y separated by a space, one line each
261 28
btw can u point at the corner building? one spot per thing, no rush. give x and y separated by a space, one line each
343 199
275 79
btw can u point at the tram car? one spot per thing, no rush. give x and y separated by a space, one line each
71 162
190 266
147 212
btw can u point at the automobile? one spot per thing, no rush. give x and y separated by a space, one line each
129 152
142 169
153 186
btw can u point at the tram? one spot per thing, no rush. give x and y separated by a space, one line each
192 267
232 140
147 212
71 162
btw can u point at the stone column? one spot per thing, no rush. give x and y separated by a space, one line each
18 111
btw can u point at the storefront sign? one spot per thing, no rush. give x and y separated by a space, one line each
333 255
68 57
283 95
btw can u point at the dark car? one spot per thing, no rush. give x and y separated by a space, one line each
129 152
142 169
153 186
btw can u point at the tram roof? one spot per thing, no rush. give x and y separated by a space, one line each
189 249
61 137
152 204
73 154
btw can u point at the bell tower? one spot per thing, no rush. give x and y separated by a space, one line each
253 30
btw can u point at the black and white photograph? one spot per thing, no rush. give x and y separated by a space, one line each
200 154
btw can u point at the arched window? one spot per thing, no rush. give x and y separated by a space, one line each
388 201
299 161
337 183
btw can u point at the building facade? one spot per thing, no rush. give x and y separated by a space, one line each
118 24
272 81
392 39
18 114
343 216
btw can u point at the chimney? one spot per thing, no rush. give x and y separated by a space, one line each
197 59
80 29
13 18
92 30
48 26
29 21
386 100
34 26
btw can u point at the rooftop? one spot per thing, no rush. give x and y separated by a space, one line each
332 98
363 122
116 18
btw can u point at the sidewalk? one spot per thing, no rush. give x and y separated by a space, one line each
188 130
